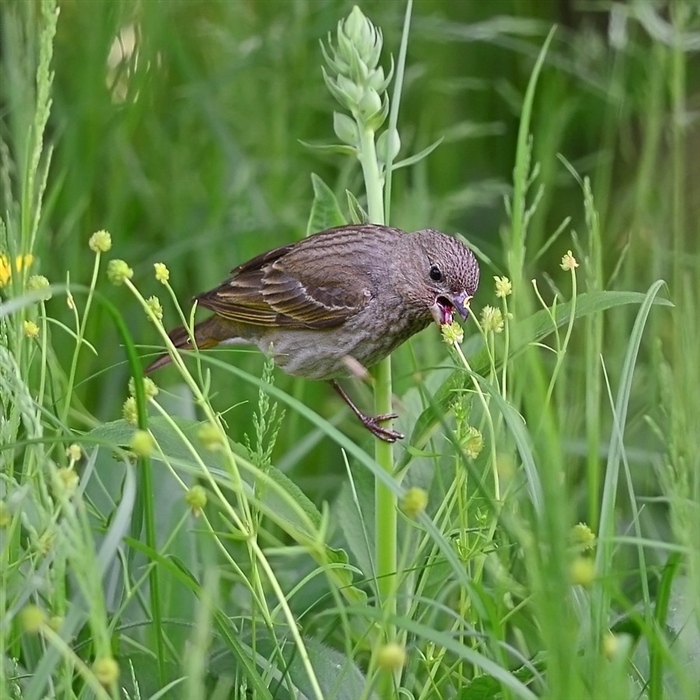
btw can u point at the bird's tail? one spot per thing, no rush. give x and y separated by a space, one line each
207 334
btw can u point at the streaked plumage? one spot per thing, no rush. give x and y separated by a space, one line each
344 296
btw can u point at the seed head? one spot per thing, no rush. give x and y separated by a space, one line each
74 452
472 442
118 272
31 330
582 571
32 619
67 481
142 443
414 501
504 287
106 670
100 242
568 262
149 388
582 537
155 307
37 282
196 499
162 272
452 333
491 319
210 436
391 657
130 412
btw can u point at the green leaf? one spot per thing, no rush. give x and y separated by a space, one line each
417 157
330 148
357 214
531 330
281 500
325 211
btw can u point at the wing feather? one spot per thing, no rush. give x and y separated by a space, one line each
309 284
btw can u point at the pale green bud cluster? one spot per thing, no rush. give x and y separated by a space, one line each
355 78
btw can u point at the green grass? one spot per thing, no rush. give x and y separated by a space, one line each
221 539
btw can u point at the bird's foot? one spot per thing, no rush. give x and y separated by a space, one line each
386 434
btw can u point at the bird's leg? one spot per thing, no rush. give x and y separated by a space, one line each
370 422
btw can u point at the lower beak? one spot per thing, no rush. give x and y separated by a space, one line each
461 303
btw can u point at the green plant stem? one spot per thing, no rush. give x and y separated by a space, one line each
385 514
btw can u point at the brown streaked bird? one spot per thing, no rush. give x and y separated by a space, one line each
345 296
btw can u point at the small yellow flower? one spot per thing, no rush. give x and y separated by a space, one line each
491 319
582 571
55 622
391 657
67 481
100 242
504 287
31 330
37 282
210 436
472 442
149 388
74 452
452 333
130 412
583 537
155 306
414 501
142 443
196 499
5 270
21 262
162 272
118 272
568 262
106 670
611 645
32 618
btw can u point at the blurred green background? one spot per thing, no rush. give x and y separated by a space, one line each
177 127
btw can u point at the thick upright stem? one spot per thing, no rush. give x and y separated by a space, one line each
385 515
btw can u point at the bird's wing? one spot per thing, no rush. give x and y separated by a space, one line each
292 288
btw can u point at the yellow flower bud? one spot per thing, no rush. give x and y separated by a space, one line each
129 411
106 670
162 272
31 330
154 305
142 443
568 262
391 657
196 499
32 618
582 572
118 272
414 501
100 242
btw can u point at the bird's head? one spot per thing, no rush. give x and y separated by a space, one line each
449 274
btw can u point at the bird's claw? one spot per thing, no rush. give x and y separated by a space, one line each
386 434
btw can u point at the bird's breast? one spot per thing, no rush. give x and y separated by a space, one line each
365 338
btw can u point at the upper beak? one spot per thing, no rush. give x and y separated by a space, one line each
461 303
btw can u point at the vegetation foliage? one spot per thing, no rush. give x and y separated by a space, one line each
231 532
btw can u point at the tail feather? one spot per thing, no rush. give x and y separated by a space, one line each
206 333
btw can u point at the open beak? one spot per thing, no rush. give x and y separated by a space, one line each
444 307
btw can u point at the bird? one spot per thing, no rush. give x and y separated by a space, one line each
338 301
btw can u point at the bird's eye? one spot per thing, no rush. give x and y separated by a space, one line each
435 273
